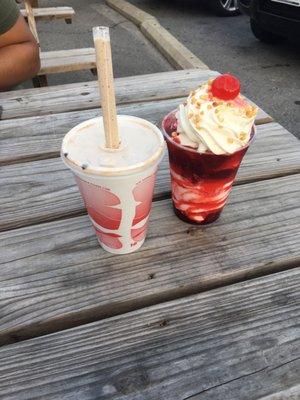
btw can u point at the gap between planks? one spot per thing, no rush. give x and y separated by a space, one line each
54 126
217 345
158 197
154 288
85 96
94 314
272 155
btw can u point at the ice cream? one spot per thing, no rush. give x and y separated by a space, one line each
215 117
207 138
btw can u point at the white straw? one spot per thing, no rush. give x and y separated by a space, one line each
106 85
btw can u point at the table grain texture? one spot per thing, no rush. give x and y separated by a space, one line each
200 312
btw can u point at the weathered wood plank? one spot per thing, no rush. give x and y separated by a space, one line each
236 342
47 13
45 190
34 138
292 393
82 96
55 275
54 62
238 388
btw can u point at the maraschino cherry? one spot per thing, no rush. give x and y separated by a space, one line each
226 87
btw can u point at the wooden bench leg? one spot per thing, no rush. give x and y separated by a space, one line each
94 71
68 21
40 81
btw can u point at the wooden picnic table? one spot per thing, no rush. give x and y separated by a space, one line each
200 312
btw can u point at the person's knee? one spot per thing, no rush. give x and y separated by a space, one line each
33 58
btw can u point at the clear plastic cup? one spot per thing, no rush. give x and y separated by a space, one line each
118 200
201 182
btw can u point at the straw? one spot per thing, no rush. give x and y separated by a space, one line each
106 85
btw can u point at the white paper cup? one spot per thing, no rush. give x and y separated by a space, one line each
119 202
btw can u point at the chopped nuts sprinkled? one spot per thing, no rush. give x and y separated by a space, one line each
193 100
215 104
209 107
204 97
190 115
242 135
230 140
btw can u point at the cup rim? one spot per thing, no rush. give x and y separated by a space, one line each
99 171
180 146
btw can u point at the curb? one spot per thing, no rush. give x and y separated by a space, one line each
175 52
179 56
131 12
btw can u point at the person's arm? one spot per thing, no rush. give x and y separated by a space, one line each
19 55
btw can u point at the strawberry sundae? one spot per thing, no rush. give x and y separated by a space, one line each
207 137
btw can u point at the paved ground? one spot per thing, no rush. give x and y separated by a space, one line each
132 53
270 74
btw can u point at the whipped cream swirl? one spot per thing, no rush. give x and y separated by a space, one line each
207 123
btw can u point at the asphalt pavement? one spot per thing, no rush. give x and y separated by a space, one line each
132 53
270 75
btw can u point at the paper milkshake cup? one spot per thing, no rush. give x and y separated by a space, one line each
116 184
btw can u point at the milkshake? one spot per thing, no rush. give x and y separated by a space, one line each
207 137
116 184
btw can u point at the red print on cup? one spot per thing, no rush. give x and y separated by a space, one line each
142 193
104 208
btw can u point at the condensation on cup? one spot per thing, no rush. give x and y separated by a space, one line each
116 185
